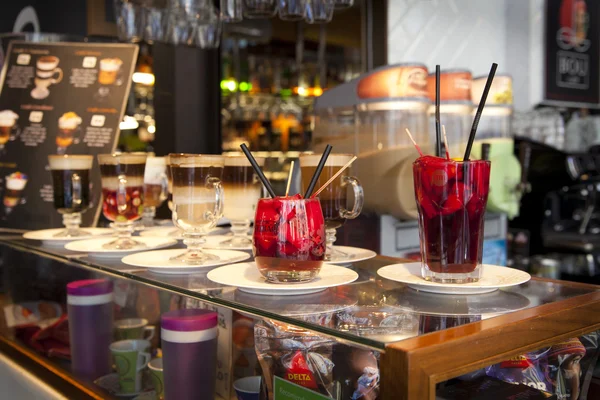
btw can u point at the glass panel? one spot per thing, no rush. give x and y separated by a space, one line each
371 311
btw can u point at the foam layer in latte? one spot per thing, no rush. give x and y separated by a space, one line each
69 120
312 160
195 160
240 160
70 162
122 158
240 202
110 64
112 183
8 118
47 62
154 174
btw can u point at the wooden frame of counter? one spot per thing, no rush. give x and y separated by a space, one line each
412 368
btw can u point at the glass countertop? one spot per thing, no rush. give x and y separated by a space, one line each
372 311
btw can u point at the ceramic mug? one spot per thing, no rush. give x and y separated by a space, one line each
133 328
130 357
156 374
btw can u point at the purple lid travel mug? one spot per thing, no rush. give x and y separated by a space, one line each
90 310
189 345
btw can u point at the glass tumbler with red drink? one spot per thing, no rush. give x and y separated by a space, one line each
289 239
451 198
122 195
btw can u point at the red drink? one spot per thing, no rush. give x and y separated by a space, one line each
451 199
130 210
289 238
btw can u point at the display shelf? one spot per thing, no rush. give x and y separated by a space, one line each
423 338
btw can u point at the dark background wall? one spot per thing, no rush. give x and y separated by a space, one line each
56 16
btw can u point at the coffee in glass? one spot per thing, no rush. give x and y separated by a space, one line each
123 194
109 71
68 128
13 193
71 183
334 197
8 125
197 201
155 188
242 190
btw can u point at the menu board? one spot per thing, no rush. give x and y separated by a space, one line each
57 98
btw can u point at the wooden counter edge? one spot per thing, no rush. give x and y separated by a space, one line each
413 366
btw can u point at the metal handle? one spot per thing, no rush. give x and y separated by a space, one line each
122 194
358 197
76 192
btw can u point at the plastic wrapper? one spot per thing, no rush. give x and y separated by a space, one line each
564 369
315 362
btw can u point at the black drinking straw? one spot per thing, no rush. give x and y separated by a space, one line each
317 173
484 96
258 171
438 135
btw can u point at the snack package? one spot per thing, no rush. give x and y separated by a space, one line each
316 362
296 355
528 369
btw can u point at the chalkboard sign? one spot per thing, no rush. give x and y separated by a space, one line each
57 98
572 73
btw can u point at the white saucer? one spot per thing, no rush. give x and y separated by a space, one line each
245 277
160 261
494 277
355 254
39 93
94 246
167 231
47 235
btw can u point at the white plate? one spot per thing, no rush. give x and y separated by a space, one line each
493 277
216 242
172 232
94 246
47 235
160 261
245 277
355 254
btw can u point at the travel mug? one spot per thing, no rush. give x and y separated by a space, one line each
90 310
189 345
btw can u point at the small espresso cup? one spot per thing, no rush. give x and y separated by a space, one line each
134 328
130 357
156 374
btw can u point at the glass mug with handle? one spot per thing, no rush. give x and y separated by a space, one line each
197 201
71 184
156 188
123 195
334 197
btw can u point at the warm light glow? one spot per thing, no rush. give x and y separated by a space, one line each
151 128
302 91
128 123
317 91
143 78
231 85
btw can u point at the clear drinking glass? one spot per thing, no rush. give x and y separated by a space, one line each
260 8
130 15
292 10
8 127
334 197
319 11
71 184
123 195
155 21
232 10
197 201
451 198
206 32
341 4
156 186
242 190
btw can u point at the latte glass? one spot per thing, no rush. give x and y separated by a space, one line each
156 185
242 191
123 195
197 201
71 184
334 197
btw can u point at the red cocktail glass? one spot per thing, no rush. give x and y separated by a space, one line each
289 239
451 199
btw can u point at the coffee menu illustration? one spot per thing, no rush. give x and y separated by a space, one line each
57 98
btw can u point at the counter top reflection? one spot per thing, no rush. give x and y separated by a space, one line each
372 311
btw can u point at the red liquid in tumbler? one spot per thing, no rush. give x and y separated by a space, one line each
134 201
451 197
284 239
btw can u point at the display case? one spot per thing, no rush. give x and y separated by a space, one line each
373 338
